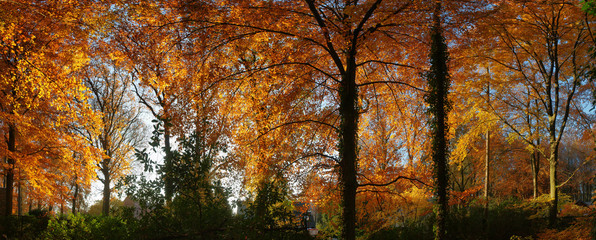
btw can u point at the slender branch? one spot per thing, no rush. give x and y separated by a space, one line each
393 181
330 49
574 172
296 122
392 82
388 63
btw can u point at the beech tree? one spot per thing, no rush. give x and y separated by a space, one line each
323 33
544 44
121 129
42 97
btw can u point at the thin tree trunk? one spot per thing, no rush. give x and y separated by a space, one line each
535 170
486 171
169 185
19 198
74 197
535 153
486 184
10 171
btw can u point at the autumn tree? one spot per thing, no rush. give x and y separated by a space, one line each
42 98
544 46
152 52
334 43
121 129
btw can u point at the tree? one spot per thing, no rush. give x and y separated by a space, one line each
121 129
437 98
42 97
337 45
544 45
152 51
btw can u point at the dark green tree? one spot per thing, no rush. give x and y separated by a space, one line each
199 209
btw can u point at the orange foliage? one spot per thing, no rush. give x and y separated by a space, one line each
42 99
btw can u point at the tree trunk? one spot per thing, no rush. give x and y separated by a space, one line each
535 170
105 210
438 79
74 197
348 146
486 184
169 185
10 171
486 171
19 198
554 198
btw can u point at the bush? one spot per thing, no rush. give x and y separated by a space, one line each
505 219
81 226
23 227
420 230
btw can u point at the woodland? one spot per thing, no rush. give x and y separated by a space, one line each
298 119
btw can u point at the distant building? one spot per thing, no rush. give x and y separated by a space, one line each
129 203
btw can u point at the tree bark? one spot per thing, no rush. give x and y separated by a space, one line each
169 185
10 171
535 170
106 188
19 198
74 197
486 172
348 146
486 184
438 79
554 198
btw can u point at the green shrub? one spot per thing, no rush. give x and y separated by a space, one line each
22 227
81 226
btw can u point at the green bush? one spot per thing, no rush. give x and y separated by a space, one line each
81 226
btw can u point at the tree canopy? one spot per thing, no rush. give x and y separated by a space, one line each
371 111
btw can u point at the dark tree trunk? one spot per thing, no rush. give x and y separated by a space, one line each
168 183
10 171
535 171
438 81
348 147
105 209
